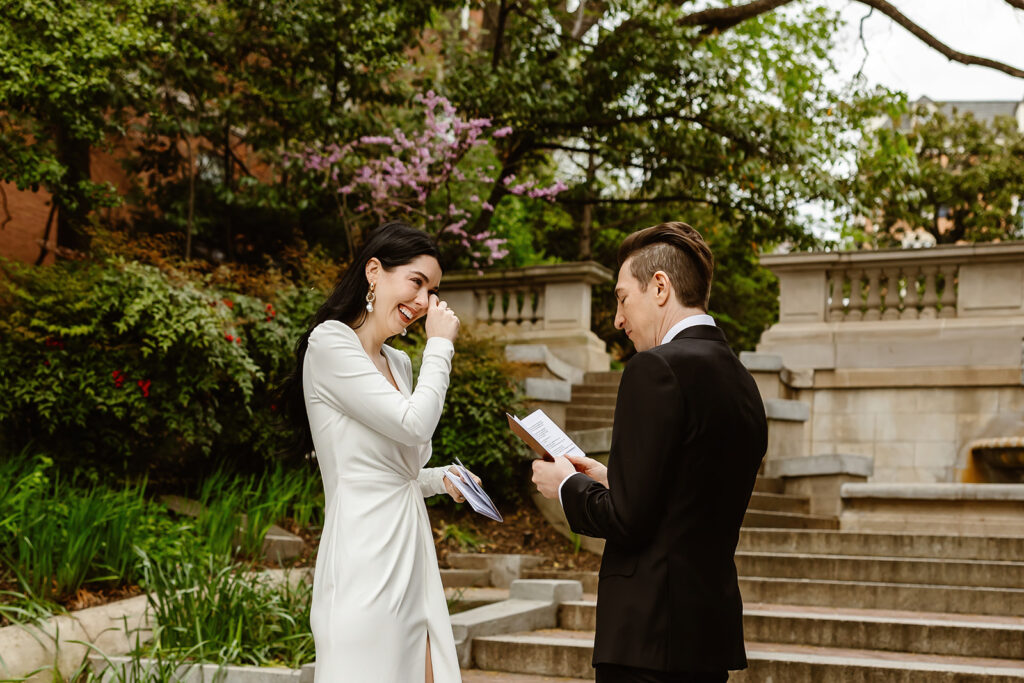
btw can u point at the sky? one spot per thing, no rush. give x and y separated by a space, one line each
897 59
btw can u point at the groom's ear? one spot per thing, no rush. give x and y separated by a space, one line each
661 287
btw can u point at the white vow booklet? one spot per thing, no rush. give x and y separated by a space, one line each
471 491
542 435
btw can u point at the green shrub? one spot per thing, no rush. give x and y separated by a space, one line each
138 368
473 426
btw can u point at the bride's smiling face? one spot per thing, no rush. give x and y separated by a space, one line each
402 293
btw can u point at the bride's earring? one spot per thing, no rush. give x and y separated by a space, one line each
370 298
403 331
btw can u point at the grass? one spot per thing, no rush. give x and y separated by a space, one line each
60 533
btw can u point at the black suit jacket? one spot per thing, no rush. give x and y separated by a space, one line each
688 439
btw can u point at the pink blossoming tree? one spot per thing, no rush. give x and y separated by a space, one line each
413 176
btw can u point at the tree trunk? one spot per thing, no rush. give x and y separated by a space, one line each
72 202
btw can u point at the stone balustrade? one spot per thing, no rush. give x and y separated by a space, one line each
900 284
537 305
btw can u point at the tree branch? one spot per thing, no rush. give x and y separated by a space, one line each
721 18
928 39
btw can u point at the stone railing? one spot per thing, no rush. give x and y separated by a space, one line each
900 284
891 291
537 305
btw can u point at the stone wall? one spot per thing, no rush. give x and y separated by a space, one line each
906 357
913 434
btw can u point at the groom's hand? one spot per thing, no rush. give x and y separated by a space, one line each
548 476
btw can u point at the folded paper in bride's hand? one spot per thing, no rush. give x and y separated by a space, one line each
543 436
472 492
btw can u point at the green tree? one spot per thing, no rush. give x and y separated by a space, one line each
68 83
958 178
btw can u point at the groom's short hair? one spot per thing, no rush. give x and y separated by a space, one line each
679 251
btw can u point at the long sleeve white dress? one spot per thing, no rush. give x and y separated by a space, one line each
377 591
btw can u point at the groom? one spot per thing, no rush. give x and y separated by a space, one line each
688 438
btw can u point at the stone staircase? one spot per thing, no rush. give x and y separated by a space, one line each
824 605
592 408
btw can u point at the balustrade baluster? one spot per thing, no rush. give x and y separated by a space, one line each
527 310
948 300
855 310
931 297
874 298
891 293
504 306
910 297
538 314
482 312
515 306
837 279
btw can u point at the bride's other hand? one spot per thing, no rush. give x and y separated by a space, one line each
450 487
441 320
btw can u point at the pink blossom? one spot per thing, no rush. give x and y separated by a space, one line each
502 132
487 206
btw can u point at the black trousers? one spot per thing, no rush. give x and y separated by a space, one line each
614 673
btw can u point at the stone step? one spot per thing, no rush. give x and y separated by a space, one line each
478 676
601 391
558 652
580 398
607 378
551 652
824 542
883 595
580 423
588 579
788 520
769 485
928 571
460 578
779 502
917 632
781 662
462 598
575 412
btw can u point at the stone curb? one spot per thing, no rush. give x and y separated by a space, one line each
761 362
820 465
787 410
996 492
554 390
539 353
118 668
48 648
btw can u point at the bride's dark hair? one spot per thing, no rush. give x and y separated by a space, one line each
393 244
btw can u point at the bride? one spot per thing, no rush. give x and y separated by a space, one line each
377 593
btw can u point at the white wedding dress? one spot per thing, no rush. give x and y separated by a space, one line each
377 591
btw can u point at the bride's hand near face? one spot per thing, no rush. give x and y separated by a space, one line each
441 321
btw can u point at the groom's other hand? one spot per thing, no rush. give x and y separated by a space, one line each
590 467
548 476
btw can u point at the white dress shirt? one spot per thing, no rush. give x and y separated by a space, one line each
689 321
